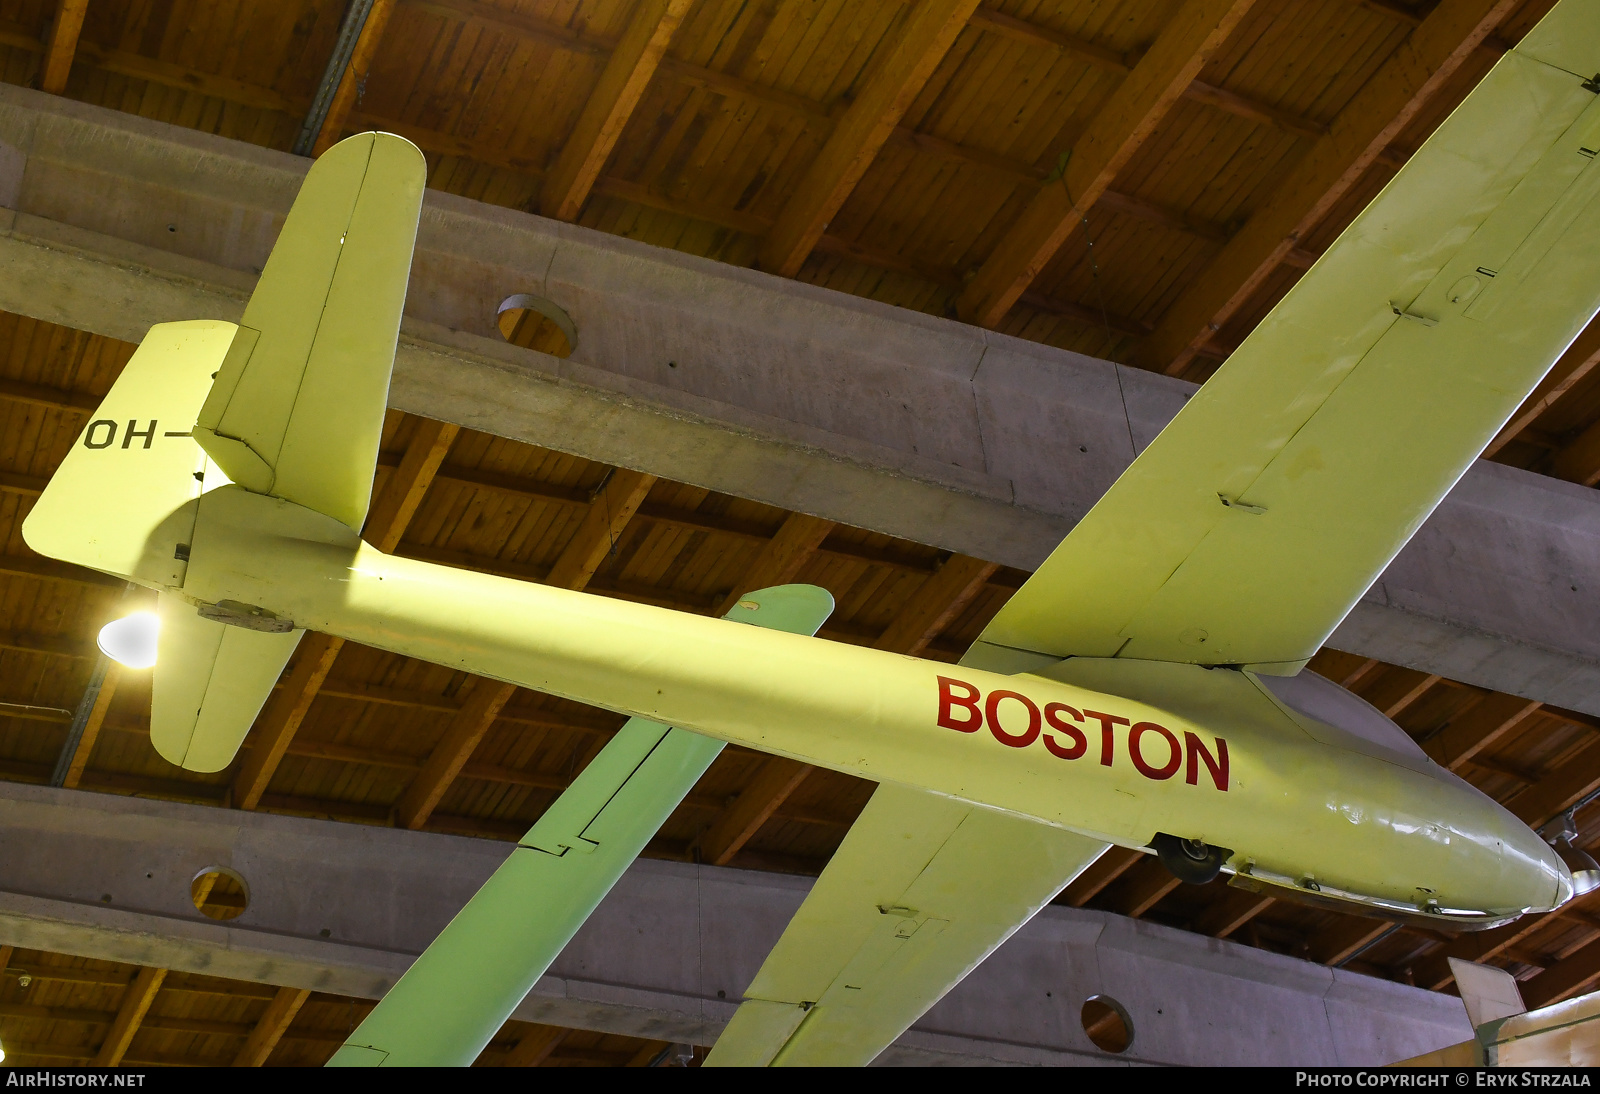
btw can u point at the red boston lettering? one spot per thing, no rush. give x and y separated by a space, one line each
1217 765
1106 722
1080 743
949 701
1143 766
1015 740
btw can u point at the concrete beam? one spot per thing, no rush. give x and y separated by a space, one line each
752 385
345 908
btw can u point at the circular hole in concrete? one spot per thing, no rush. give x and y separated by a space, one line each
533 322
219 893
1107 1023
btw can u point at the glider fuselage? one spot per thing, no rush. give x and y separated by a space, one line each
1118 750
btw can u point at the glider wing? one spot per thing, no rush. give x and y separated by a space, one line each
1249 528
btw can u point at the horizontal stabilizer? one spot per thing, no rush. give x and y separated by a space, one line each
297 409
210 681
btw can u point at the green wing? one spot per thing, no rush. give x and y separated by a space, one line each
1269 505
466 984
297 408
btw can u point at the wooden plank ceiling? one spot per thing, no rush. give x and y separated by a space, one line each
1137 179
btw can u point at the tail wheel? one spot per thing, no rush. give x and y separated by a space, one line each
1190 860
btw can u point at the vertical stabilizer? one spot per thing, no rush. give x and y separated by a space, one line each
297 409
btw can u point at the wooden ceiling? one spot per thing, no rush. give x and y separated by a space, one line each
1137 179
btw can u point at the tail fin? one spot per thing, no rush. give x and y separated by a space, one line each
289 403
297 408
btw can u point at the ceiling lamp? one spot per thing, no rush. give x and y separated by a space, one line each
131 640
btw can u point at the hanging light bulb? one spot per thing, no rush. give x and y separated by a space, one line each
131 640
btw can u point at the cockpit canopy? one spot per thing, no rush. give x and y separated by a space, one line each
1356 724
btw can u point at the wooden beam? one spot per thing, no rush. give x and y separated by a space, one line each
1242 106
49 569
727 835
1231 911
535 1046
1142 888
1481 726
61 45
627 73
1119 128
613 506
271 1026
355 76
1398 704
1579 460
91 726
783 556
403 492
1577 362
136 1000
930 30
1556 792
930 609
466 730
281 720
1433 970
1111 865
1564 979
1386 103
1347 938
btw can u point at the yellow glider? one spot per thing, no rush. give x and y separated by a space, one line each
1143 688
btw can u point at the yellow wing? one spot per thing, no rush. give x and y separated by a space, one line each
297 407
922 890
1269 505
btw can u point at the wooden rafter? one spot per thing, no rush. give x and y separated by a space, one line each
931 608
1377 113
1111 865
1347 939
1143 887
62 45
535 1046
354 77
1230 912
771 787
92 726
930 30
392 512
280 721
1554 794
1576 363
609 513
783 556
444 763
1121 126
1479 727
136 1000
271 1026
1432 971
628 71
1565 978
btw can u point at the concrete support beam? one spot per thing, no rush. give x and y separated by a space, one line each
765 388
345 908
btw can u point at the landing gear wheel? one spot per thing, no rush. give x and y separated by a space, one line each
1190 860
